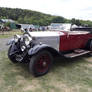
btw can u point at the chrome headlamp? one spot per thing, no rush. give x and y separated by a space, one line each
16 37
27 39
23 48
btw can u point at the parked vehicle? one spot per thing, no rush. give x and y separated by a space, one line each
59 26
39 48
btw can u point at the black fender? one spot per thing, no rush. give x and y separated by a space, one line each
39 47
13 49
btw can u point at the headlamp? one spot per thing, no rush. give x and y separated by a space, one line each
16 37
27 39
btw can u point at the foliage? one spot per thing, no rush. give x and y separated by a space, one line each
37 18
74 21
58 19
29 17
7 24
87 23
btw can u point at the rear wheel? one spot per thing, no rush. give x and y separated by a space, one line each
89 45
40 63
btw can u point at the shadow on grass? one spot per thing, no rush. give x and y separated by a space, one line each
59 62
69 62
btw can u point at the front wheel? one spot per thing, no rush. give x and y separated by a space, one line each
11 57
40 63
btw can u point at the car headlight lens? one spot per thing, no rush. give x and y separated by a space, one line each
23 48
16 37
27 39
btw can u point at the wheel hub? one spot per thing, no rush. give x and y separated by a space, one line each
19 58
44 63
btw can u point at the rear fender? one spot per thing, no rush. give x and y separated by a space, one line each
39 47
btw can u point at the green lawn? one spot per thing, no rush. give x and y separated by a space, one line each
66 75
9 33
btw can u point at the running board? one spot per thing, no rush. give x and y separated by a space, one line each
76 53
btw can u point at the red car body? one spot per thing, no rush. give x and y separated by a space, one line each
74 40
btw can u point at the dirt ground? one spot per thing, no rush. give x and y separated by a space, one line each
3 42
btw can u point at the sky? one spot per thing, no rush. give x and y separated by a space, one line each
79 9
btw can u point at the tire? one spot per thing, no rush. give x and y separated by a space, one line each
40 63
89 45
11 57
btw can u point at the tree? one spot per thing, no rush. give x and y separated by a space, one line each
37 18
7 24
74 21
58 19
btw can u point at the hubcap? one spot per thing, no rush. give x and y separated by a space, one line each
19 58
43 63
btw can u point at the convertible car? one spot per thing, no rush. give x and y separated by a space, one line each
39 48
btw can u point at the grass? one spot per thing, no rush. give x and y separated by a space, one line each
66 75
9 34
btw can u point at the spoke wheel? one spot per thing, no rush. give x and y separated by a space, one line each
41 63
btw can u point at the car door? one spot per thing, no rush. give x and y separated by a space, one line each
75 39
64 42
70 41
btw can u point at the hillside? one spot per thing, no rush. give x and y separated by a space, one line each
37 18
29 16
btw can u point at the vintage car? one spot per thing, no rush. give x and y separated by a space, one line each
39 48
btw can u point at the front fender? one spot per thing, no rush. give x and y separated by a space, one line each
13 49
39 47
